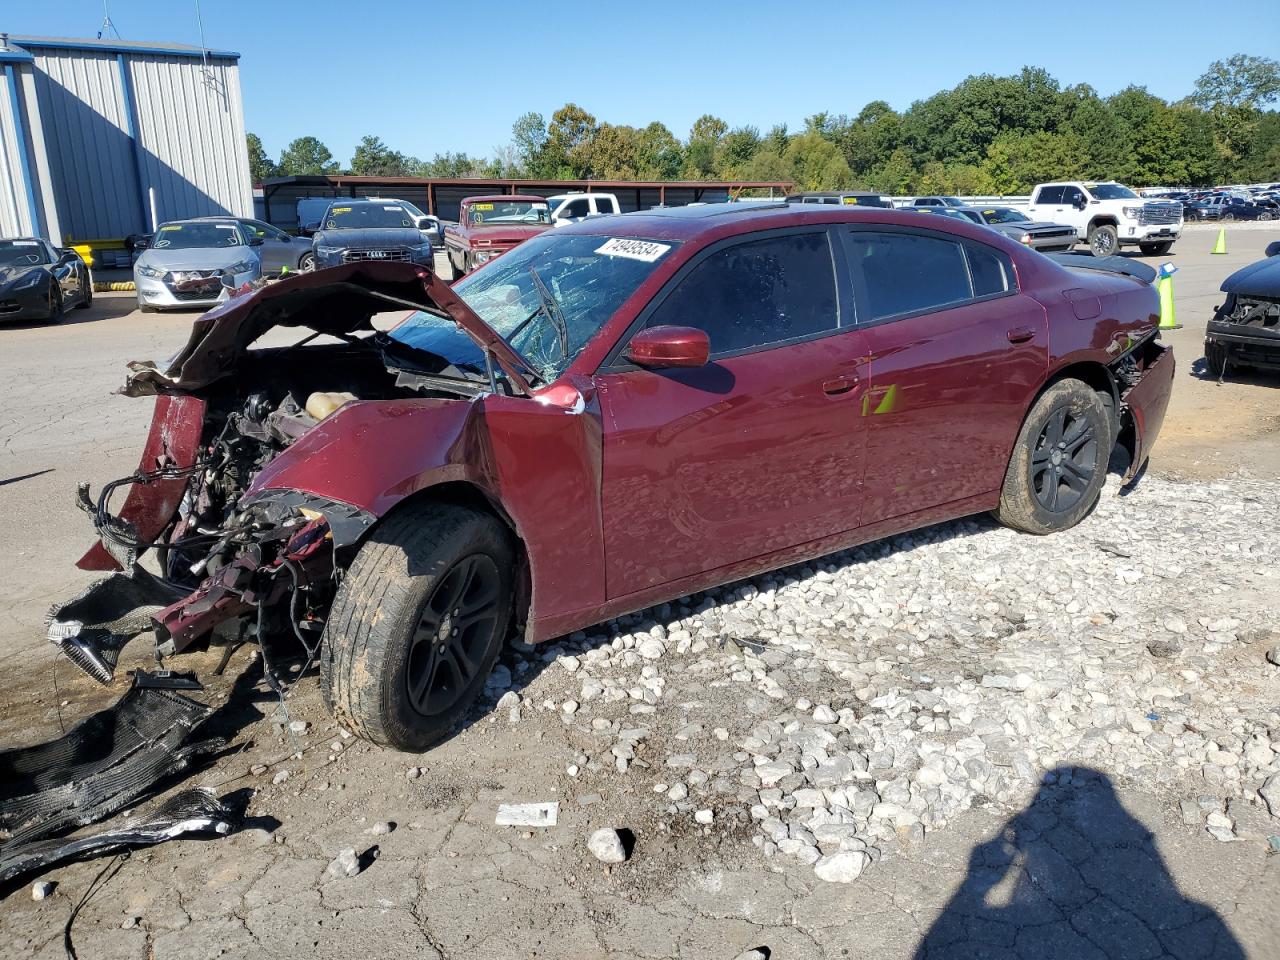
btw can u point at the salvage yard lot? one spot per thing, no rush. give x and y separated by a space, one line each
1127 655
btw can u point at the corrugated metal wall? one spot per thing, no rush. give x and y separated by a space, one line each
86 138
14 218
191 129
117 125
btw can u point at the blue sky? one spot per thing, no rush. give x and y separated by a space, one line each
429 76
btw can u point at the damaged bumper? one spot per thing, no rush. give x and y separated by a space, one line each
1145 377
1244 331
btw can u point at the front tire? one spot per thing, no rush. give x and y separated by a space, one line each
307 263
1103 240
1156 249
417 625
1059 461
56 308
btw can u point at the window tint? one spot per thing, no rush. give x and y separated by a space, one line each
1072 195
1050 195
904 272
575 208
751 294
989 269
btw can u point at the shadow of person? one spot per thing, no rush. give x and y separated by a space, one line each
1074 877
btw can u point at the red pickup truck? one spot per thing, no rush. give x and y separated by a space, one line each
488 227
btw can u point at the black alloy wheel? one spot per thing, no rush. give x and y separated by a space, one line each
1064 460
455 636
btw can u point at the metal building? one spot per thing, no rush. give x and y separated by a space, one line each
98 137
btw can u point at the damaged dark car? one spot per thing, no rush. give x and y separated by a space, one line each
1245 330
612 415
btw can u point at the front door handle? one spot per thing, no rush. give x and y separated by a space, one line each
839 385
1020 334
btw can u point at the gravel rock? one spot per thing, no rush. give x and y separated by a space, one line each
280 777
299 726
842 867
1273 656
651 649
381 828
704 816
1270 794
1220 827
42 889
345 864
606 846
509 700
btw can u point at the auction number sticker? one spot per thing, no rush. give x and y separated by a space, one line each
341 210
482 206
645 250
850 201
171 226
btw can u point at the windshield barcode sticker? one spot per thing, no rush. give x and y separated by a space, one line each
645 250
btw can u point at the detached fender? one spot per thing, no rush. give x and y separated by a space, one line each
1146 402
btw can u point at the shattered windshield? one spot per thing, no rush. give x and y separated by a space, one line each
548 297
21 252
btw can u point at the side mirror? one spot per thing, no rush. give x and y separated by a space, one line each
256 241
657 348
1273 248
1081 203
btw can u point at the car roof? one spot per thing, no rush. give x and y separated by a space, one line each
717 220
497 197
11 239
227 219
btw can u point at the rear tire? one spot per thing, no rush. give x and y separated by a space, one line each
397 668
86 301
1059 461
1104 241
1156 249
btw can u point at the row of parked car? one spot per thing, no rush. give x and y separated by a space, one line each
1104 215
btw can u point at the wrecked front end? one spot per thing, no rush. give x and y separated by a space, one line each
202 549
1245 329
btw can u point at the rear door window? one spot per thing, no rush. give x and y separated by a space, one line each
1050 195
904 273
757 293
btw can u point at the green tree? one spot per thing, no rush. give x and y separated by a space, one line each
307 156
1175 146
704 143
261 167
373 158
1016 162
1239 81
817 163
661 155
1261 162
529 142
570 130
1104 136
737 147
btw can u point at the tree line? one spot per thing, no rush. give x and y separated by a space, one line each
987 135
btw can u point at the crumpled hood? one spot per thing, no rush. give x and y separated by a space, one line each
1261 279
336 301
370 238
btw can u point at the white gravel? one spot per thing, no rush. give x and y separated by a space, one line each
866 699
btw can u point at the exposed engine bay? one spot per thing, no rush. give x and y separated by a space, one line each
224 563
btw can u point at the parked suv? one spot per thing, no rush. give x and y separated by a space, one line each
357 230
1109 216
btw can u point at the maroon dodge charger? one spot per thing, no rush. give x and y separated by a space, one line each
612 415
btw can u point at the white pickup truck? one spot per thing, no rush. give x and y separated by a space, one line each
1108 216
572 207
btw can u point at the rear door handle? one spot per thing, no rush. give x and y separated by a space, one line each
1020 334
839 385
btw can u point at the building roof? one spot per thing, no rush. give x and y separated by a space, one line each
24 44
